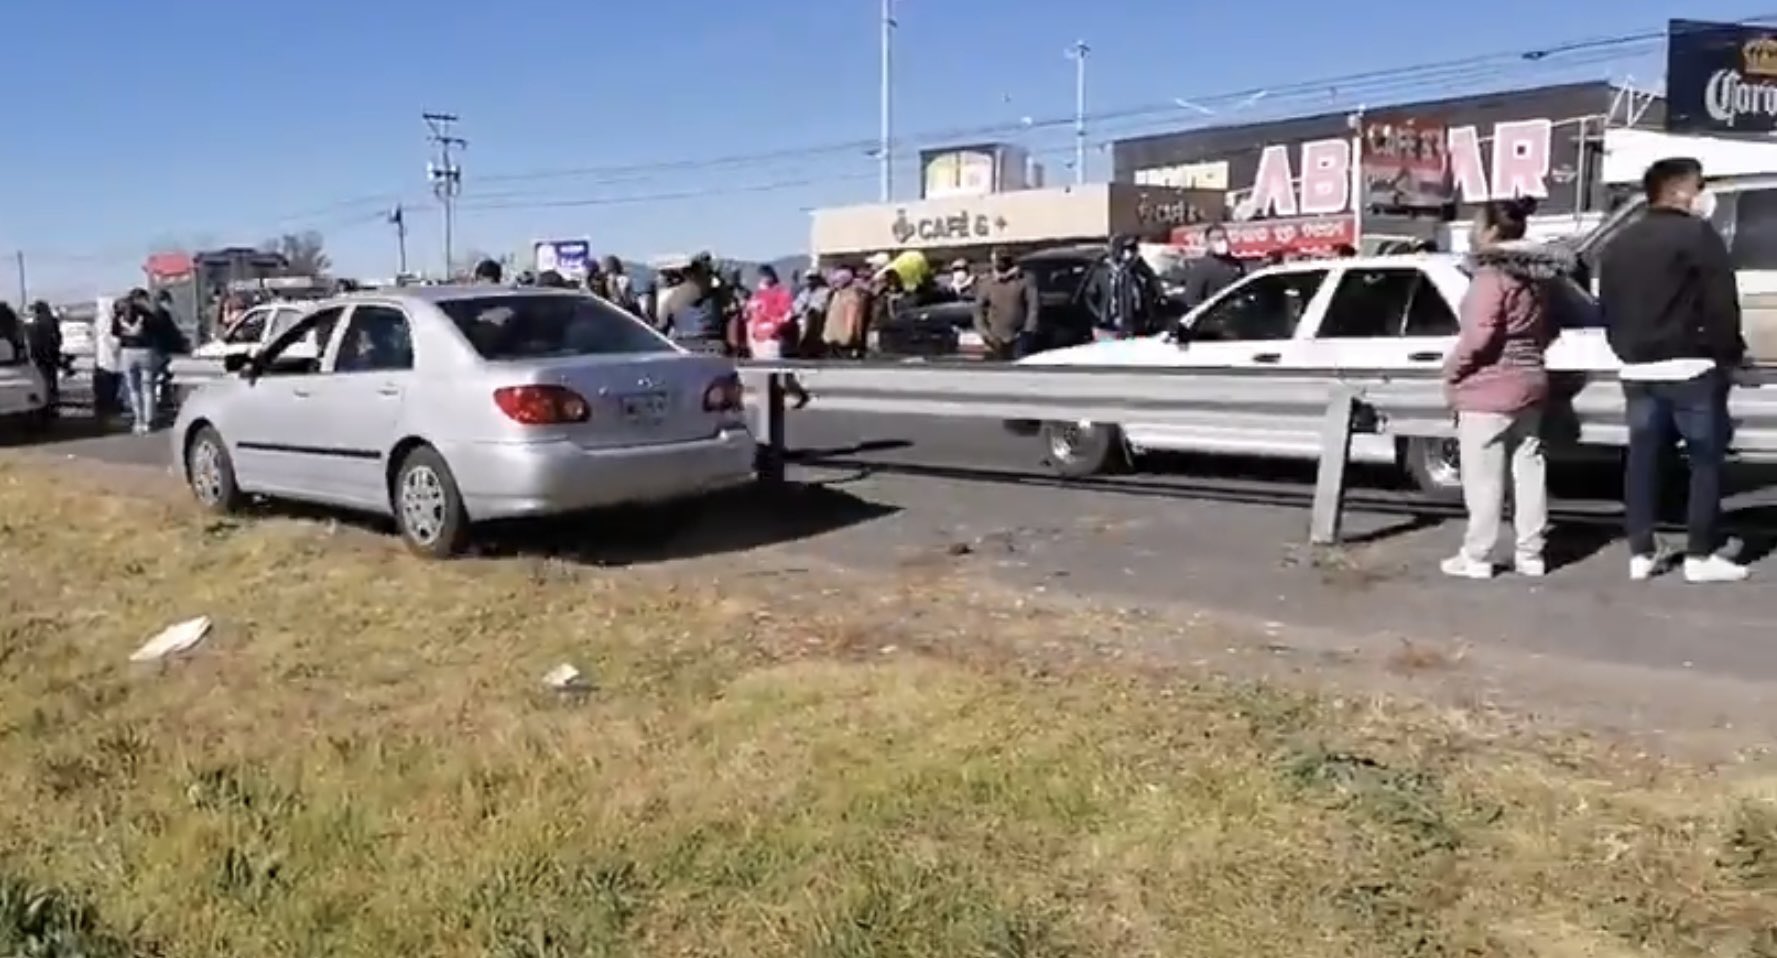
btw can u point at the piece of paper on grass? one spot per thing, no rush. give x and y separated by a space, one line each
173 640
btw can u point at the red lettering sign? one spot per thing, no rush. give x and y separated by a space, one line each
1257 239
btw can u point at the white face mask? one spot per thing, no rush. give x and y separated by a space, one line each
1218 247
960 277
1703 205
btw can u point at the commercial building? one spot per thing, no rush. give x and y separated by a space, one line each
969 225
1307 183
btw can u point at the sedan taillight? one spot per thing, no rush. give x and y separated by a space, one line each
724 395
541 405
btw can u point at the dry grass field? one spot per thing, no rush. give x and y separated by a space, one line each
362 761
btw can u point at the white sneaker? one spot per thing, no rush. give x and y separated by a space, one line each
1530 567
1714 569
1642 568
1463 567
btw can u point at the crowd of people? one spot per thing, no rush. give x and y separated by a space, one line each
1672 312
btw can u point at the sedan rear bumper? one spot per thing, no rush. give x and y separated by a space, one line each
518 480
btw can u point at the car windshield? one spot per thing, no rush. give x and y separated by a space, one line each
538 327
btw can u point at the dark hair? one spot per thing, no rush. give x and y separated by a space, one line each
550 279
1215 229
767 272
1663 173
1509 219
489 270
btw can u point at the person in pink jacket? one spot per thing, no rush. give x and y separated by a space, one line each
1497 384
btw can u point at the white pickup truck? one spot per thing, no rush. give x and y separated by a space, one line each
1378 313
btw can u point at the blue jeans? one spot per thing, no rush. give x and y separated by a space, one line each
1696 410
137 368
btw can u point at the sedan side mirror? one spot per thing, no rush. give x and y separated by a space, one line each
240 364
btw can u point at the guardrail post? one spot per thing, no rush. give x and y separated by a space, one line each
1335 456
770 461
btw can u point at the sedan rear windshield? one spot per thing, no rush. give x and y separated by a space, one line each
539 327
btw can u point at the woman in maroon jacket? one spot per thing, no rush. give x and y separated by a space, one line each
1496 382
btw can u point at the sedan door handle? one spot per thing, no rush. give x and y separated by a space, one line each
1267 357
1425 357
300 393
389 391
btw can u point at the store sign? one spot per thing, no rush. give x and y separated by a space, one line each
1260 238
1186 176
1406 165
570 258
960 173
1314 178
959 228
1720 78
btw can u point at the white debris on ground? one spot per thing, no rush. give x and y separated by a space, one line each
566 678
173 640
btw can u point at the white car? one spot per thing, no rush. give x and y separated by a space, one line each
444 406
24 397
1377 313
249 334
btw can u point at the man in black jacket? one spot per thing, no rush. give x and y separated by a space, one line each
1673 309
1219 269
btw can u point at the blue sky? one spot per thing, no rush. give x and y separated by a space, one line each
139 126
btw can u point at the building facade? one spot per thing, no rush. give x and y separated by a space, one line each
1296 177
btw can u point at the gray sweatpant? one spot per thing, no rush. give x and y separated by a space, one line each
1494 444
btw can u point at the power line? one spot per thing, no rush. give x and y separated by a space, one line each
1361 82
1367 86
445 174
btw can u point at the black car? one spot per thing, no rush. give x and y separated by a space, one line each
1065 317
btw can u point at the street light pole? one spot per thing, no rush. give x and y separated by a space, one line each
1078 54
885 133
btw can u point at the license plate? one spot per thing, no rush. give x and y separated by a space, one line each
644 408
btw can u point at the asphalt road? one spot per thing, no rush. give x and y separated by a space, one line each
1229 537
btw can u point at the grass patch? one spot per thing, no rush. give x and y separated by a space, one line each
361 761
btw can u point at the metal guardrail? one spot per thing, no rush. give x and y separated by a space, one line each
1587 408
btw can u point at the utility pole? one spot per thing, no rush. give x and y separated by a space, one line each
885 133
398 216
19 257
1077 53
446 175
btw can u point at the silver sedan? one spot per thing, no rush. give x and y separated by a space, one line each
448 406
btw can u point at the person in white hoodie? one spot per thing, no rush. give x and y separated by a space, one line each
106 380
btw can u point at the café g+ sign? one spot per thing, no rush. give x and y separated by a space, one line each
958 228
1720 78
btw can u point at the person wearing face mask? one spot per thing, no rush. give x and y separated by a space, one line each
1210 274
1124 292
1006 306
1672 310
962 280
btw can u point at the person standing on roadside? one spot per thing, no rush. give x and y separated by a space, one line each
1498 385
614 285
848 316
1124 292
1213 272
1006 307
45 338
133 329
1672 310
488 272
810 310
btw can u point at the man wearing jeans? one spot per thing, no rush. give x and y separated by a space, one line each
1669 297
